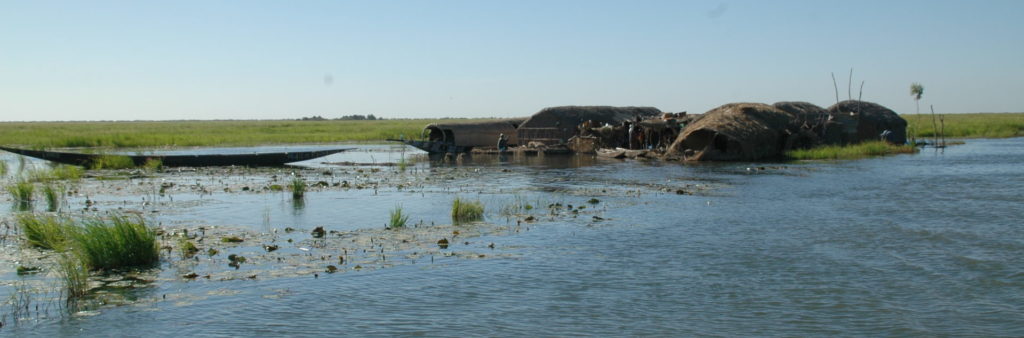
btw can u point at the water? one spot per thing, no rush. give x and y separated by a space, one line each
923 245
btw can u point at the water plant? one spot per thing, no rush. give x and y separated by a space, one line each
3 168
53 194
861 150
298 187
74 274
466 211
398 219
153 164
57 173
120 242
47 232
22 191
187 248
112 162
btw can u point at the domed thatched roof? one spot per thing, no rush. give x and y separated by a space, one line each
872 120
735 131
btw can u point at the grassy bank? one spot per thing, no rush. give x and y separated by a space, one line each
856 151
202 133
982 125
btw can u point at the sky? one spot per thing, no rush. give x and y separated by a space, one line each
175 60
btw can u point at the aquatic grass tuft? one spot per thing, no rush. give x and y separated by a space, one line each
187 248
855 151
398 218
298 187
58 173
3 168
466 211
120 242
153 164
22 191
47 232
53 194
112 162
74 274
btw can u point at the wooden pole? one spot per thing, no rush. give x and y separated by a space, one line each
935 127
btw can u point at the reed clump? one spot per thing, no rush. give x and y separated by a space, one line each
847 152
120 242
74 275
3 168
112 162
466 211
47 232
22 191
298 187
53 193
398 218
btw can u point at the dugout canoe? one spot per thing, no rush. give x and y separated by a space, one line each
204 160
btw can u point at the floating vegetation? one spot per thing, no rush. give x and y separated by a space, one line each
112 162
232 239
187 248
121 242
27 270
318 232
467 211
47 232
855 151
398 219
298 187
58 173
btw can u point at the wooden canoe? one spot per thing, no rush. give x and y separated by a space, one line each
204 160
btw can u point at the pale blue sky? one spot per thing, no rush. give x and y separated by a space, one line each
112 60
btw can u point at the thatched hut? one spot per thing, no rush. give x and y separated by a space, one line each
808 125
735 132
555 125
473 134
872 120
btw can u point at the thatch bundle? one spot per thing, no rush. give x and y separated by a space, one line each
871 119
558 124
735 131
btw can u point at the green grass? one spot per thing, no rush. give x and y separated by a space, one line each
203 133
47 232
117 243
3 168
398 219
298 187
862 150
22 191
981 125
466 211
74 274
53 193
58 173
112 162
153 164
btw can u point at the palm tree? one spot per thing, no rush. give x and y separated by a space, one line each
916 90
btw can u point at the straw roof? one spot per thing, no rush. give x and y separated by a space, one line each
872 120
735 131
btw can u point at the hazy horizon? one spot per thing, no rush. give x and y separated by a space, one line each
125 61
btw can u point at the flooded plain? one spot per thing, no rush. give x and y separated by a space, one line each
925 244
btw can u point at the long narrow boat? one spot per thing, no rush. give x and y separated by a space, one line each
205 160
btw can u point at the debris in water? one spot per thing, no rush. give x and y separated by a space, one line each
319 232
232 239
332 269
443 243
594 201
191 275
270 248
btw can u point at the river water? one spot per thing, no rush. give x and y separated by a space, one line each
909 245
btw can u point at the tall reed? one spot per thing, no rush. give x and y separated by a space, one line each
298 187
22 191
53 193
74 274
466 211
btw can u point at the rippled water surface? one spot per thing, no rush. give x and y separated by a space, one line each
926 244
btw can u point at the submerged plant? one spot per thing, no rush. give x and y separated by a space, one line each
298 187
398 219
120 242
47 232
466 211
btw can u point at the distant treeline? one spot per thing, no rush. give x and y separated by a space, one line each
355 117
